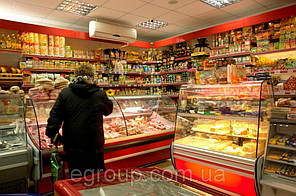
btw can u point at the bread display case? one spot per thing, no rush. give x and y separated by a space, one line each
15 154
139 131
220 132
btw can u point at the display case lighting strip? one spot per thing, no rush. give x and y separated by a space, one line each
76 7
152 24
220 3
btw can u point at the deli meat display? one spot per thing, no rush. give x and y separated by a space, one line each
137 133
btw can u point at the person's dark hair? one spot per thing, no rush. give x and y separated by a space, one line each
84 70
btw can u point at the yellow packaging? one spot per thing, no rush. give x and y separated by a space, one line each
51 40
61 51
31 38
56 51
56 41
36 49
32 49
62 42
36 38
43 39
50 51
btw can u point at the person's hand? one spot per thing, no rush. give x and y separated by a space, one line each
57 140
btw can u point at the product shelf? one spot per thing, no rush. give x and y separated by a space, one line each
285 93
174 71
230 55
152 62
282 147
274 51
48 70
10 51
228 134
282 162
283 121
279 182
182 58
60 58
274 71
221 117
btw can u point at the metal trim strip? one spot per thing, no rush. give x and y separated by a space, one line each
136 143
215 166
217 160
136 154
10 166
14 153
224 156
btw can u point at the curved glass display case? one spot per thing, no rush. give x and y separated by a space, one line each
132 117
222 126
15 154
13 133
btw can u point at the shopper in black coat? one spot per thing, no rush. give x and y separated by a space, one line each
80 109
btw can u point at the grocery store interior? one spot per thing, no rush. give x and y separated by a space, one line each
203 93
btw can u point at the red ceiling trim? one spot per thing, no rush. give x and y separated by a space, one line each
24 27
252 20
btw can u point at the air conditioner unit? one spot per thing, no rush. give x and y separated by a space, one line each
106 31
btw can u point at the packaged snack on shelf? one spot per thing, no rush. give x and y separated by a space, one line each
222 75
43 39
36 44
56 49
208 77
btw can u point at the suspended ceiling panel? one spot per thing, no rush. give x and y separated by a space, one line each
182 17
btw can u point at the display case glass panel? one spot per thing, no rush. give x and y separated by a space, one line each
37 113
132 115
229 118
148 114
12 131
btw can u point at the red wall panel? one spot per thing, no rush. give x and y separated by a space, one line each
252 20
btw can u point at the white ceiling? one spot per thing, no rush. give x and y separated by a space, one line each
185 16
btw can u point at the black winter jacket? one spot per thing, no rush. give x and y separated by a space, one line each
80 108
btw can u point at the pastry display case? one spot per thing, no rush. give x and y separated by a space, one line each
138 132
222 129
15 154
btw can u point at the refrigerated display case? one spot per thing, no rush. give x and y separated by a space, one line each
220 132
138 132
140 181
15 154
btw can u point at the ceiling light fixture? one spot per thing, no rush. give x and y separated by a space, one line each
220 3
152 24
76 7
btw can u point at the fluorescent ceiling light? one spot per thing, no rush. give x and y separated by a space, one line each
152 24
220 3
76 7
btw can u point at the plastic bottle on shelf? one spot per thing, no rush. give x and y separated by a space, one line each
3 41
13 42
8 42
19 42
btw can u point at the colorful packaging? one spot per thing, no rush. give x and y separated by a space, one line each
43 39
56 49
